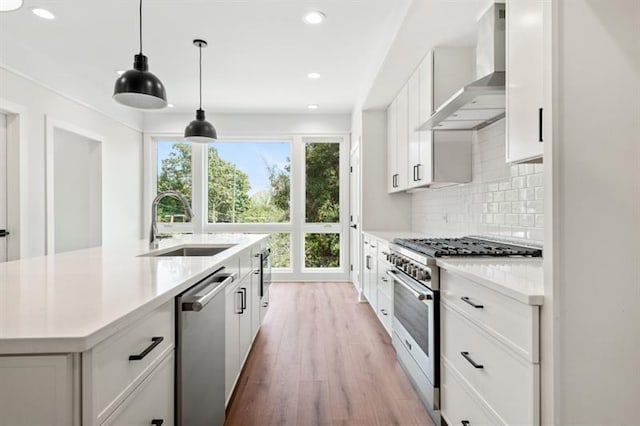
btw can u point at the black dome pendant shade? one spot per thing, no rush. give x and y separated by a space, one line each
138 88
200 130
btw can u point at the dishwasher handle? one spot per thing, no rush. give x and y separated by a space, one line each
198 304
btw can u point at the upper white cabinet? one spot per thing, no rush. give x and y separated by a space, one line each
397 142
528 65
429 158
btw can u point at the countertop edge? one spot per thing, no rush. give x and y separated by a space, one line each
75 344
529 299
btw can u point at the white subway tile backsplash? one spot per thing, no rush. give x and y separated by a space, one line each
502 200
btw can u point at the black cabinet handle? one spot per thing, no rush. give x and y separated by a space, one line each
414 173
239 309
4 233
157 422
539 124
465 423
408 344
472 362
418 178
156 341
384 312
244 298
465 299
354 226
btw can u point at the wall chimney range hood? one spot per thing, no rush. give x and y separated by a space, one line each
481 102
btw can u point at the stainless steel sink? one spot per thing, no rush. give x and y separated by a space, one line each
190 250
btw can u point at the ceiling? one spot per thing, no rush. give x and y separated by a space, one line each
259 53
258 58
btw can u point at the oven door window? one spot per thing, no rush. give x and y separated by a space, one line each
414 316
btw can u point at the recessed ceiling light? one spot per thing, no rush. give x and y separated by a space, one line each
170 105
313 106
43 13
313 75
10 5
314 18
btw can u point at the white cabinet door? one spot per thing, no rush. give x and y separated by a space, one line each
424 169
414 136
525 79
402 143
245 336
149 402
36 390
232 338
392 142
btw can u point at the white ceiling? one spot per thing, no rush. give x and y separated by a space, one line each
259 51
258 57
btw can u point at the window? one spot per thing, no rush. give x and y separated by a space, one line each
173 173
293 188
249 182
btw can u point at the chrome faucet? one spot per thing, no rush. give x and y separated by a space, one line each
153 237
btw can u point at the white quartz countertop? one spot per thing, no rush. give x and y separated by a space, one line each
68 302
390 235
519 278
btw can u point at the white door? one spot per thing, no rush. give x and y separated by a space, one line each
354 215
3 187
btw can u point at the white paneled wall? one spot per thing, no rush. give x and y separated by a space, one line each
502 200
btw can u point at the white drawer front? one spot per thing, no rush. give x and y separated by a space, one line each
385 311
458 403
113 374
513 322
385 283
152 400
507 382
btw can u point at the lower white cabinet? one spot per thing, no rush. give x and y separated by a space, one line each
239 329
36 390
151 403
490 371
377 288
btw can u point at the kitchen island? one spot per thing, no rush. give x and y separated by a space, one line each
88 337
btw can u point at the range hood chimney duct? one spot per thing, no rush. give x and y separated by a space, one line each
481 102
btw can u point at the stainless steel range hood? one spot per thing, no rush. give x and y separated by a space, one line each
482 102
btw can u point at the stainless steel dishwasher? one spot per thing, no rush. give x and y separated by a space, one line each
200 350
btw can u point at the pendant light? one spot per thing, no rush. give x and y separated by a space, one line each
200 130
138 88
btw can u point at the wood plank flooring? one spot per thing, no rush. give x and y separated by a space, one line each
321 358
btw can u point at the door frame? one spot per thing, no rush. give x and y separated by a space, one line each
50 125
355 216
16 175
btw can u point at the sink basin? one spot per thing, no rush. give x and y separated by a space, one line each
182 251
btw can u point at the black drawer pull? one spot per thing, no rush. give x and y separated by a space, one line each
465 423
472 362
244 298
4 233
540 125
408 344
157 422
156 341
384 312
467 300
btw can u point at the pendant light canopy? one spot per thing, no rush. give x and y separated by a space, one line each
138 88
200 130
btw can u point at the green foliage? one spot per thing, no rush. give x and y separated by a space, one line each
175 174
322 250
323 182
280 250
228 190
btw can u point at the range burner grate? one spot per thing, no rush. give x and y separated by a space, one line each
438 247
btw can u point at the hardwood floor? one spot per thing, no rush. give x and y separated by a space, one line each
321 358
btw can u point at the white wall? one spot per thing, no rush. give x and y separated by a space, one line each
252 124
596 212
122 160
77 191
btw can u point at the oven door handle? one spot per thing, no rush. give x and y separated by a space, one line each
398 278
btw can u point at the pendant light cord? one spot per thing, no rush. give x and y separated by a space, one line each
200 49
140 27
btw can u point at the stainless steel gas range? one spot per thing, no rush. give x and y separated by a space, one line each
416 322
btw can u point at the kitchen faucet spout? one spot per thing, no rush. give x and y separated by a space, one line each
153 237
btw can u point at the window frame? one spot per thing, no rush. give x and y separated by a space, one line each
296 227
